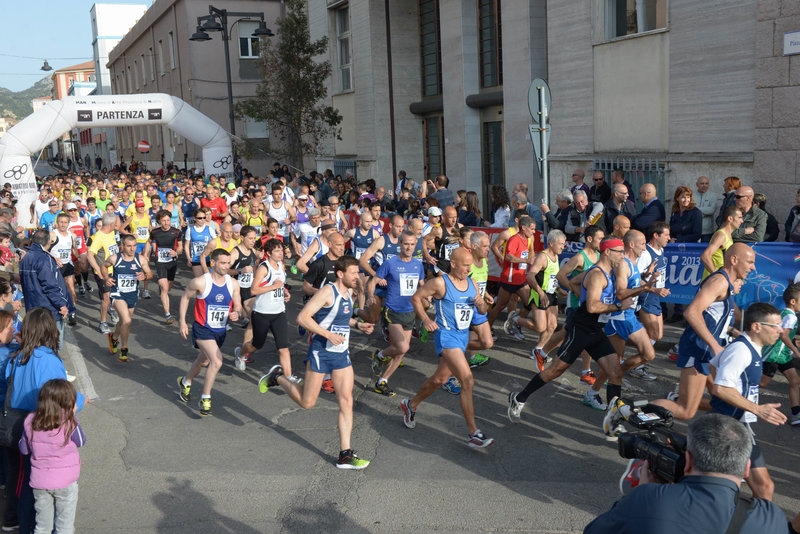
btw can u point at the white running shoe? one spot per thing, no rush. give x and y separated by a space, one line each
592 400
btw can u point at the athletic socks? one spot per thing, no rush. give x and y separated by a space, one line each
539 348
205 396
85 277
535 383
186 383
583 372
653 342
612 391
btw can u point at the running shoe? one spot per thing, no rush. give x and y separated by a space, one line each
185 392
237 352
270 380
327 386
477 360
240 365
228 327
88 287
294 269
588 378
123 356
244 322
10 527
796 420
514 407
424 334
478 440
408 414
81 291
673 353
386 334
592 400
113 316
384 389
452 386
674 396
287 287
169 319
71 319
349 460
71 378
205 407
642 373
377 363
540 357
612 421
294 379
104 328
146 294
510 321
516 331
630 478
113 344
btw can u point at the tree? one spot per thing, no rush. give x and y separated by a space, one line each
289 96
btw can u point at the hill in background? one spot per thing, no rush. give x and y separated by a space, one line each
18 105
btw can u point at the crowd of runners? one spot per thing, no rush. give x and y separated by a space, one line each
421 277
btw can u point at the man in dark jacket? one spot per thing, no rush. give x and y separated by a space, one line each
600 191
618 205
42 283
754 220
652 211
558 221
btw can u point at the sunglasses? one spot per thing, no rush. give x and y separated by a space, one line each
199 218
598 179
739 197
773 325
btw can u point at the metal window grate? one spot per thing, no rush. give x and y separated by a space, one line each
638 171
342 165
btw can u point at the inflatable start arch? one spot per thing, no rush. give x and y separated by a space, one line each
58 117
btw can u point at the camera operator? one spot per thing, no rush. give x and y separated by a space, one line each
717 456
738 373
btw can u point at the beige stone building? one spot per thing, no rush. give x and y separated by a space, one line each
156 56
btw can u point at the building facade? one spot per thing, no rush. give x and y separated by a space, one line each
110 22
5 124
67 146
156 56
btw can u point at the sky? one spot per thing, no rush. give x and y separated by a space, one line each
59 31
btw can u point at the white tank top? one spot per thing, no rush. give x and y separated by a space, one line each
271 302
62 248
279 214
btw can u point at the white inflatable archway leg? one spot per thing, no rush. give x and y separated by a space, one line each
59 117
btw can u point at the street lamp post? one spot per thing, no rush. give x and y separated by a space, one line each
217 20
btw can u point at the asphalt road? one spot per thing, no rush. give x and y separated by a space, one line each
262 464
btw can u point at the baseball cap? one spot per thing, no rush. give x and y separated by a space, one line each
231 185
71 206
435 211
140 203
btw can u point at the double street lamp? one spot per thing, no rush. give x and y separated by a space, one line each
217 21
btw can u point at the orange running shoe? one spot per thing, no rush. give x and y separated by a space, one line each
588 378
327 386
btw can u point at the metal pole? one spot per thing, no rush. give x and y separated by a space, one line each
543 144
225 38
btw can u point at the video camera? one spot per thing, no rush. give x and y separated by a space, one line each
654 441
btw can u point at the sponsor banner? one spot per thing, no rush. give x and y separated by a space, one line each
777 266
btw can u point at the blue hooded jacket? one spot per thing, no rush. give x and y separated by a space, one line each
42 283
42 366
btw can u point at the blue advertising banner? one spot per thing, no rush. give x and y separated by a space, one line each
777 266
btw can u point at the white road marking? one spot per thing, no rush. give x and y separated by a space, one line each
75 356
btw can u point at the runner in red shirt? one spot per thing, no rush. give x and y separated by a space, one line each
513 278
217 205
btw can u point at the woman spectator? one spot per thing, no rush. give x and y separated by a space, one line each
470 214
36 362
461 199
730 185
501 206
686 223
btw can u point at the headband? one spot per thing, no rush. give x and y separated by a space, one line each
610 243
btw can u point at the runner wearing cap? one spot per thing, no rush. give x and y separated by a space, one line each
305 232
318 247
586 328
230 195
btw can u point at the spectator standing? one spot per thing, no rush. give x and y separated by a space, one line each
558 221
43 285
730 186
471 214
532 211
793 219
600 191
442 194
706 201
582 214
771 234
652 211
501 206
618 177
618 205
577 178
99 162
754 220
686 222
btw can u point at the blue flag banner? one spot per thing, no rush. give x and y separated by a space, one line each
777 266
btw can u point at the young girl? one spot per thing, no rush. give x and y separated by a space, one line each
52 436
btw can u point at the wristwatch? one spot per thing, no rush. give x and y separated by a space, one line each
618 305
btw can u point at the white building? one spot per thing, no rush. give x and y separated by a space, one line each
110 22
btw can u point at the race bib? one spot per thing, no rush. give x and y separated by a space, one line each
448 250
63 255
551 285
482 288
258 230
127 283
276 295
603 317
245 280
661 281
164 255
408 284
78 241
463 313
752 396
360 252
217 316
524 256
197 248
190 221
113 249
142 232
343 331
